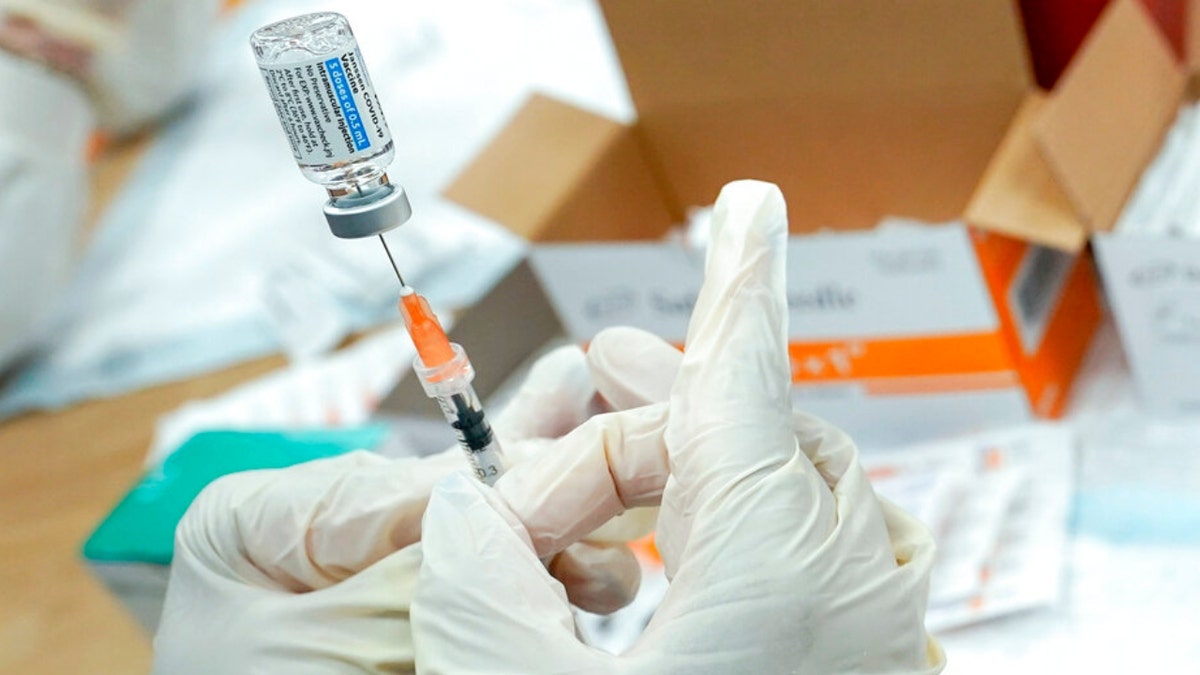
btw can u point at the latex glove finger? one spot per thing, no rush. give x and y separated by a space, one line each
835 457
589 477
598 577
730 424
482 594
745 512
735 376
601 574
863 516
466 523
556 396
859 510
608 464
310 526
631 367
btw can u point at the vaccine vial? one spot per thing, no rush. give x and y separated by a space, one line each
332 119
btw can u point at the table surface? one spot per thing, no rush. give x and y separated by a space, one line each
60 472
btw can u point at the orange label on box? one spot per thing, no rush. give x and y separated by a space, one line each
967 354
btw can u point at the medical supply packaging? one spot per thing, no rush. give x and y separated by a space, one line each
862 111
1152 281
131 550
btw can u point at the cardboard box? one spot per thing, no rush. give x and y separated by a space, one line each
859 110
1153 289
1056 29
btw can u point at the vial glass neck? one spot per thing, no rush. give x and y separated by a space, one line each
361 187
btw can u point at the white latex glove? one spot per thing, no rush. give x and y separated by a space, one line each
780 556
311 568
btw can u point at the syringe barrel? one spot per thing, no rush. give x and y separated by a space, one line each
450 385
474 433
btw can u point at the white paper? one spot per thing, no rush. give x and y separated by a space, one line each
1001 547
342 389
1131 588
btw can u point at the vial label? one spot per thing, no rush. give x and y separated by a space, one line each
328 108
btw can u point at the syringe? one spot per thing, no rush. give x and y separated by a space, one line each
446 373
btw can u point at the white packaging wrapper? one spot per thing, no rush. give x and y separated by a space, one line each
157 63
45 124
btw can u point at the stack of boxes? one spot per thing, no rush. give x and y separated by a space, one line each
861 111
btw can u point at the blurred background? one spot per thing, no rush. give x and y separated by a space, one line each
994 278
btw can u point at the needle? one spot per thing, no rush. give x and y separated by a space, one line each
391 260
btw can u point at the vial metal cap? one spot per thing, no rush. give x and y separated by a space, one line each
368 215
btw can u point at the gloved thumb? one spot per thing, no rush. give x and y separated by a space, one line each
484 602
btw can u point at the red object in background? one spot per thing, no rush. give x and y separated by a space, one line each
1056 28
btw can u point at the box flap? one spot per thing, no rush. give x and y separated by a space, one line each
1191 35
1019 196
841 164
556 172
829 92
681 52
1106 118
533 164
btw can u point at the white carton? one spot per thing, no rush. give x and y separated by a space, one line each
1153 286
858 303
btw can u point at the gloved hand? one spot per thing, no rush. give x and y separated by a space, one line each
311 568
781 558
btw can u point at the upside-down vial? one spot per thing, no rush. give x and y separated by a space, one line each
332 118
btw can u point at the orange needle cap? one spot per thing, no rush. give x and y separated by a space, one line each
427 335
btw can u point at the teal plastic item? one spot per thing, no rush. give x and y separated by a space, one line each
142 526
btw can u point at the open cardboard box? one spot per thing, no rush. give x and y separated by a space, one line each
859 110
1153 288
